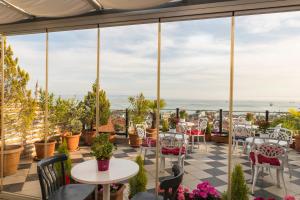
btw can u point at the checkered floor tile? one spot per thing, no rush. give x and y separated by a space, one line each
200 166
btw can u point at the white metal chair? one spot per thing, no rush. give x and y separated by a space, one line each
147 143
284 140
172 146
240 134
268 155
198 132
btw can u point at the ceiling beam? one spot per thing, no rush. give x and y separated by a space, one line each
109 18
95 4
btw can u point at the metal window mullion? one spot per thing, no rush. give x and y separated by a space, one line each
231 104
2 110
97 80
158 106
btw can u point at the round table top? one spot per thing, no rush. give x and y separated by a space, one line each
119 170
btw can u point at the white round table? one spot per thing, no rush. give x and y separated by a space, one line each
119 170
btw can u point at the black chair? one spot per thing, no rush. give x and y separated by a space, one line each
169 185
53 182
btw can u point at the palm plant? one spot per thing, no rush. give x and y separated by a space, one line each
153 109
139 107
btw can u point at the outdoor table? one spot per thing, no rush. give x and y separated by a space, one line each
260 141
119 170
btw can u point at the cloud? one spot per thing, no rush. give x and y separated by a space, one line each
194 64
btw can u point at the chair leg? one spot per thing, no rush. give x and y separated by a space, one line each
145 154
252 173
205 143
256 169
277 176
193 138
282 177
288 165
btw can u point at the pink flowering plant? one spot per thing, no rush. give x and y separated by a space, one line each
204 191
287 197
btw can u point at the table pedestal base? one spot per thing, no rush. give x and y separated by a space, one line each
106 192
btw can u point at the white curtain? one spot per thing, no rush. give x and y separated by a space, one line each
7 15
53 8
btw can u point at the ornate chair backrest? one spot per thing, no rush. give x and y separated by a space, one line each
242 120
270 150
202 125
172 141
279 135
141 131
182 128
216 125
49 177
170 185
241 131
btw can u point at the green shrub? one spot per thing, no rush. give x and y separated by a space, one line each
76 126
139 182
183 114
239 188
208 128
165 125
63 148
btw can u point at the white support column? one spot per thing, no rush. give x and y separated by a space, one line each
2 109
46 96
158 107
97 80
231 104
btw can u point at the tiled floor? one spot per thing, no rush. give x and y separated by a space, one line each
200 166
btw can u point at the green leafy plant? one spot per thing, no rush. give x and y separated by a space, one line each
290 121
250 117
263 125
165 125
183 114
138 183
17 95
88 105
76 126
138 109
101 148
208 128
63 149
152 104
239 188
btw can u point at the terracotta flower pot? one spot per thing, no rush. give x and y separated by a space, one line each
118 195
40 149
297 142
88 137
72 141
134 140
11 159
152 133
103 165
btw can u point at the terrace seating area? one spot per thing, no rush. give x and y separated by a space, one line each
199 166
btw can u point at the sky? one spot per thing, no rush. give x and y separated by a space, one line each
195 59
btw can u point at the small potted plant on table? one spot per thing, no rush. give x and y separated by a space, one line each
102 149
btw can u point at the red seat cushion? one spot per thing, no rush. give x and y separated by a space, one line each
262 159
194 132
173 151
149 142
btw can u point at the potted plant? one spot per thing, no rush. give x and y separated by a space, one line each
182 115
46 145
63 148
102 150
116 191
73 135
88 117
203 191
138 183
152 132
208 132
249 117
165 125
138 112
17 96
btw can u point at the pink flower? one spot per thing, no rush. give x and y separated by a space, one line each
191 195
186 190
180 196
203 194
289 197
259 198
